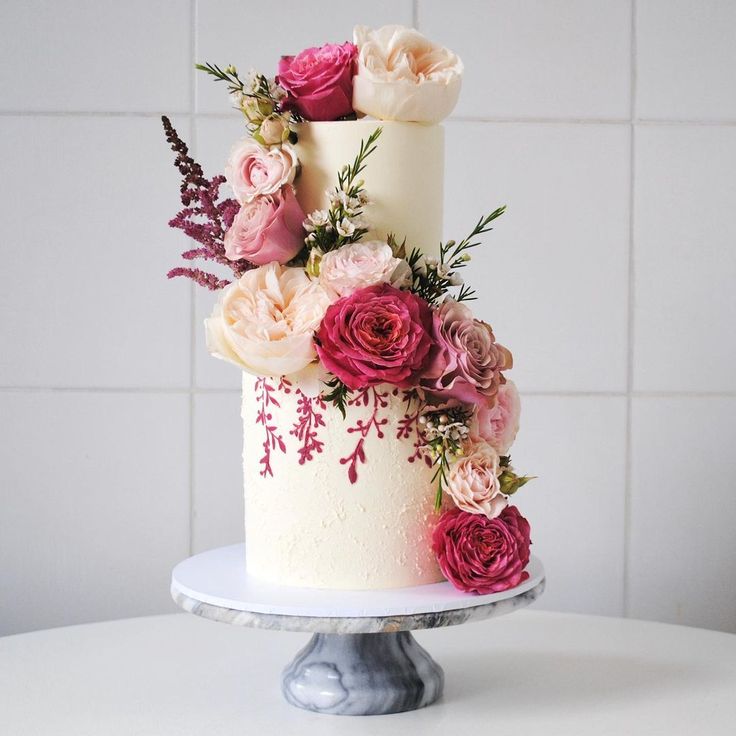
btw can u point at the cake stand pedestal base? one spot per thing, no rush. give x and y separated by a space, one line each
362 674
362 658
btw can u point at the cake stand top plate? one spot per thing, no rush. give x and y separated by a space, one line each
215 585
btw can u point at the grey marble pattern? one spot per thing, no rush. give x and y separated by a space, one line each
362 674
362 625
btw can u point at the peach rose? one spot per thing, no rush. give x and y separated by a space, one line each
264 323
404 76
356 266
253 169
473 482
497 421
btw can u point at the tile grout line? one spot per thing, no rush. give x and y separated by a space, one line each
192 292
415 14
499 119
209 390
630 317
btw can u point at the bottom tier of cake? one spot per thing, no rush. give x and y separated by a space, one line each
332 502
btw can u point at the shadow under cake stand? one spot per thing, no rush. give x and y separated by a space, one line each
362 658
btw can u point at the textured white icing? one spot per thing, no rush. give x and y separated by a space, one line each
309 526
403 176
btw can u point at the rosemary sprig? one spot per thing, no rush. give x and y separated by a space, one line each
229 75
346 177
258 88
338 396
432 278
342 223
454 254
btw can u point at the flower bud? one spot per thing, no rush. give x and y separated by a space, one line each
272 130
313 264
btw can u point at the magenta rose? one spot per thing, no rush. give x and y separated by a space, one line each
319 81
376 335
466 360
481 555
267 229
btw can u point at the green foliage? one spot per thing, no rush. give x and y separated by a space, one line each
432 278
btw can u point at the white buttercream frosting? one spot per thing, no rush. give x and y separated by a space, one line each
403 176
309 526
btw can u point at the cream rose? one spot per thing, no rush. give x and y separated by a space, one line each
264 323
473 482
253 169
358 265
404 76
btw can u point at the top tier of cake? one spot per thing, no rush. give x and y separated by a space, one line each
403 176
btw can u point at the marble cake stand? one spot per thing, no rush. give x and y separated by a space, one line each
362 658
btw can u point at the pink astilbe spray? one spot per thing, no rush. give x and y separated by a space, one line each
205 217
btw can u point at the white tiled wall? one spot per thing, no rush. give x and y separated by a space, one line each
609 129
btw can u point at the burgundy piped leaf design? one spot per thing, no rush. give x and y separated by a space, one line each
309 420
409 428
376 400
272 440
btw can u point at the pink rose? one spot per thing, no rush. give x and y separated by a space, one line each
376 335
267 229
481 555
253 169
320 81
357 265
497 422
466 360
473 482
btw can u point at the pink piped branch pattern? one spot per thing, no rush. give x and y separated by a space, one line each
205 218
272 439
305 429
376 400
410 428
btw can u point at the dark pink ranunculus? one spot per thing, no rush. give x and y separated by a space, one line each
319 81
376 335
269 228
466 361
481 555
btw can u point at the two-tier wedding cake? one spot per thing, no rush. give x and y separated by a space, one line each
377 416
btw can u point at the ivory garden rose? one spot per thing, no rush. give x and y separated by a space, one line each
473 482
466 362
404 76
319 81
497 421
481 555
265 321
358 265
267 229
376 335
253 169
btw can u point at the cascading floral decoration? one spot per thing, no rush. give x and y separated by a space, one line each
379 320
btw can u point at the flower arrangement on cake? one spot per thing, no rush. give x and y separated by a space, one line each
341 313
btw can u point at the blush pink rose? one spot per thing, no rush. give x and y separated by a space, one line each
376 335
466 360
319 81
473 482
253 169
267 229
357 265
497 422
481 555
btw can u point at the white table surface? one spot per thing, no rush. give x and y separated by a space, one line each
527 673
